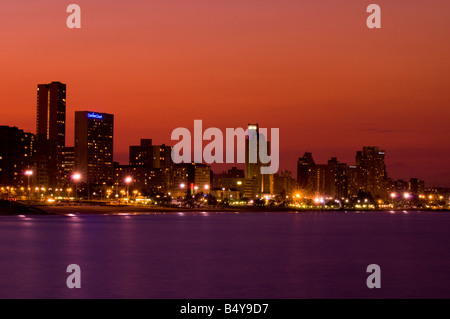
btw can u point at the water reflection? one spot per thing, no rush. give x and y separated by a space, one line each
250 255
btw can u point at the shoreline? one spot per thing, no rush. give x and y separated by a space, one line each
92 209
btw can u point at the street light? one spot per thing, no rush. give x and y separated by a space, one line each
76 178
29 173
128 181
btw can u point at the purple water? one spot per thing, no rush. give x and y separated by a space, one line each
227 255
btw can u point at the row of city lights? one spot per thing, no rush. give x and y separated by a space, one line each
408 196
182 186
76 177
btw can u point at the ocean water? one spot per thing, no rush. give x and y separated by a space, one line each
227 255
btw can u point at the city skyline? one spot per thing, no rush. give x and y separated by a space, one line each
125 158
91 159
225 155
312 69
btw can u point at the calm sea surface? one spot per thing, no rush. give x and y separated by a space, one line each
227 255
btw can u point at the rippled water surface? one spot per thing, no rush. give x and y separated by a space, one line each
227 255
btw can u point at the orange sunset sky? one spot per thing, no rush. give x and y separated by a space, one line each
311 68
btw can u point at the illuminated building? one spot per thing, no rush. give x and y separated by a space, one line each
50 132
16 151
336 179
256 183
305 173
142 155
153 157
371 170
147 180
68 164
353 182
94 147
329 179
320 171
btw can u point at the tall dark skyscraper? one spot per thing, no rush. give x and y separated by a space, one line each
371 170
51 132
336 179
16 150
305 173
94 147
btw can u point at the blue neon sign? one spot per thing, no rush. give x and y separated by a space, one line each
95 116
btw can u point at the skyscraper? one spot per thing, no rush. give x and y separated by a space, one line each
51 131
16 150
256 183
336 179
94 147
371 170
305 173
252 164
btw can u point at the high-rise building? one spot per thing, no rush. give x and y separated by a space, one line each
372 170
341 180
142 155
256 183
329 179
51 131
336 179
162 160
416 186
320 172
146 180
16 151
353 181
156 158
68 164
94 147
252 163
285 185
305 173
401 186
